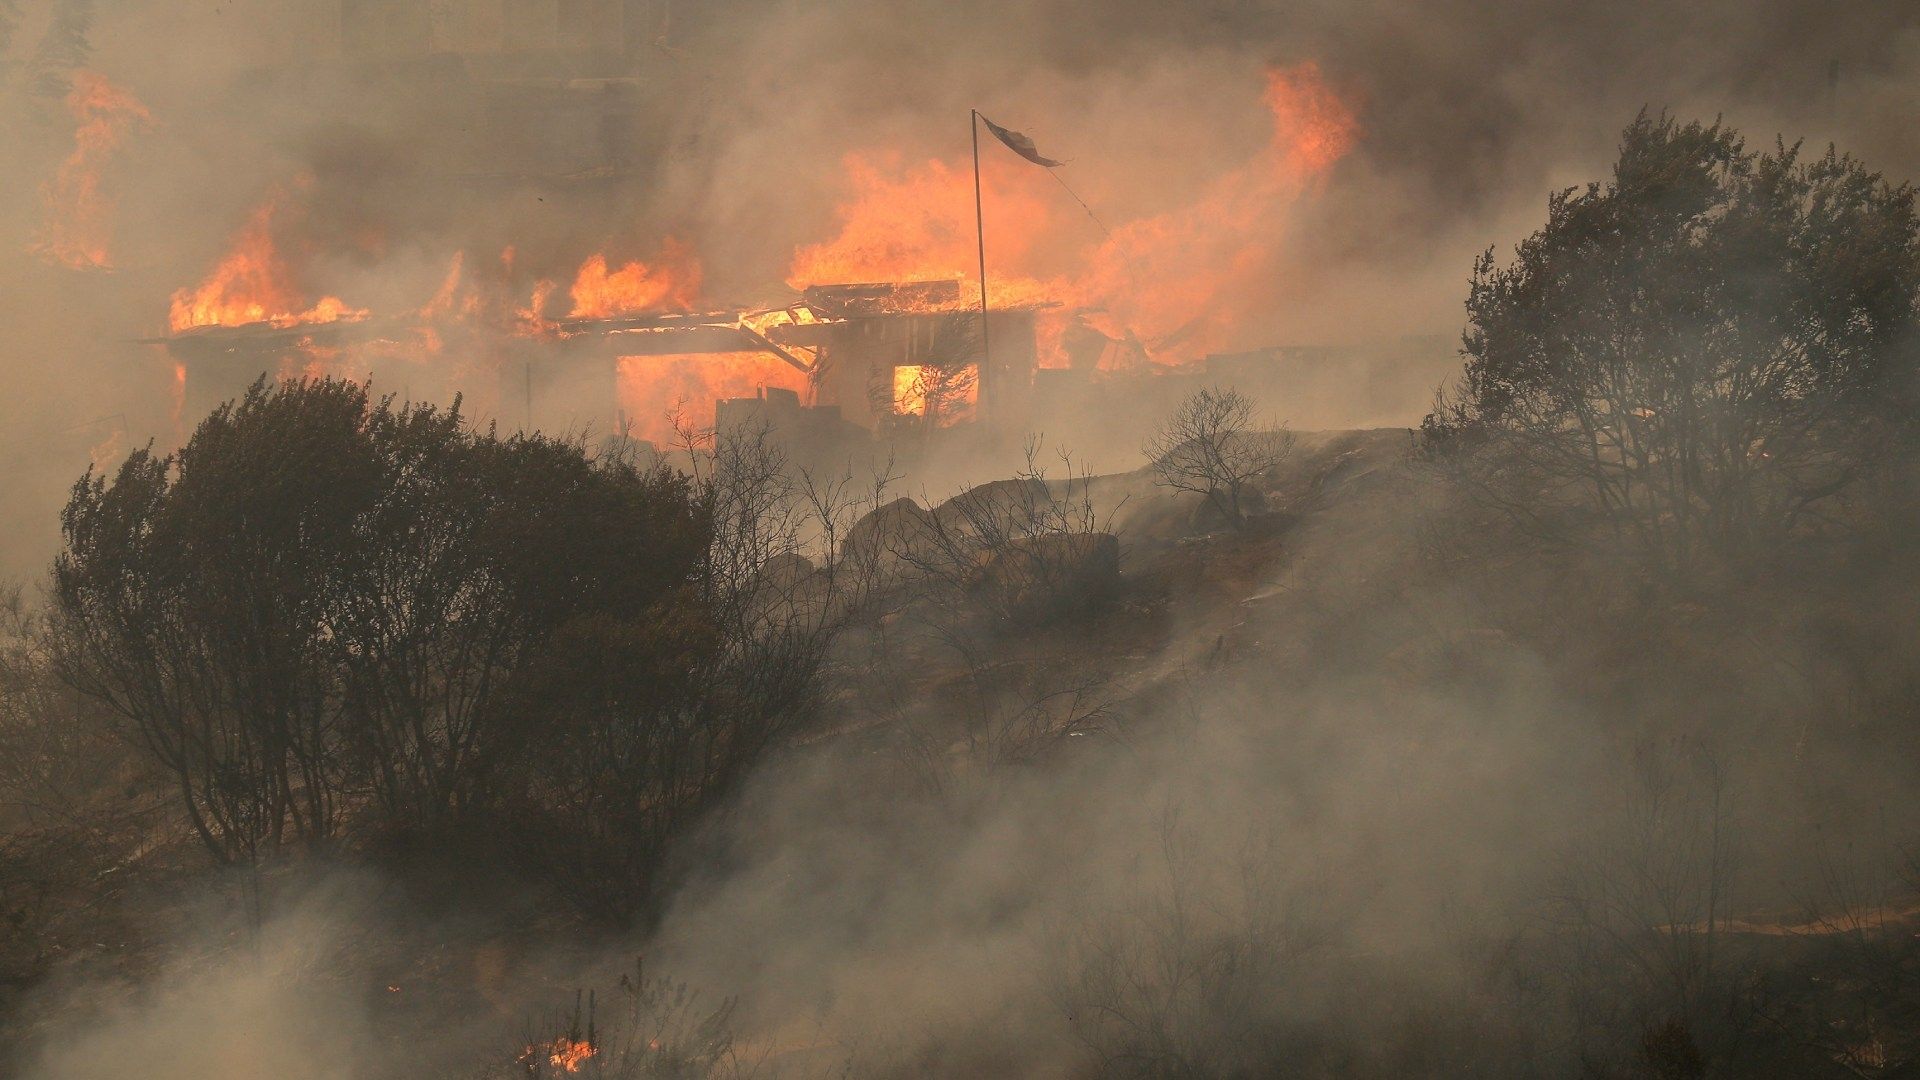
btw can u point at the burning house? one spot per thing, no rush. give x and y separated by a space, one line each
863 358
881 334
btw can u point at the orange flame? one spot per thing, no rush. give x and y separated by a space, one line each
917 224
252 284
909 393
1180 281
451 298
79 212
950 394
670 283
568 1055
1183 279
1170 286
650 386
531 320
563 1054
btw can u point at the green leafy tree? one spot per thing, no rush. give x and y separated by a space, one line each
1694 358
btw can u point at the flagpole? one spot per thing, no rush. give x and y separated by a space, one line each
980 234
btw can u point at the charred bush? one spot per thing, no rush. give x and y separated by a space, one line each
1210 448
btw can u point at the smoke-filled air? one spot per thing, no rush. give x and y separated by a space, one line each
871 539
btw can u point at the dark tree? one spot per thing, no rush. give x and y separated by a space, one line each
648 725
1696 356
480 561
196 594
325 600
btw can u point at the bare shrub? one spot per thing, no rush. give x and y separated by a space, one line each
995 715
1209 447
1022 555
1020 550
1652 977
56 754
76 809
1860 1010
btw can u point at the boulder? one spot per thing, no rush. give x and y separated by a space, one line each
890 535
786 570
1010 505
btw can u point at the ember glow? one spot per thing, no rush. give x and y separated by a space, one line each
254 284
79 211
569 1055
562 1054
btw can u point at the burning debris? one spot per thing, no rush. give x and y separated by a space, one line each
253 285
562 1055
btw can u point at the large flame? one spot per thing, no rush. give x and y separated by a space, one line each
79 211
671 282
1182 280
253 284
916 223
1179 281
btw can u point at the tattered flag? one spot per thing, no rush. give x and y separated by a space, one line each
1020 144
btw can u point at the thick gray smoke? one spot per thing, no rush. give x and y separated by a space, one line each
1386 838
